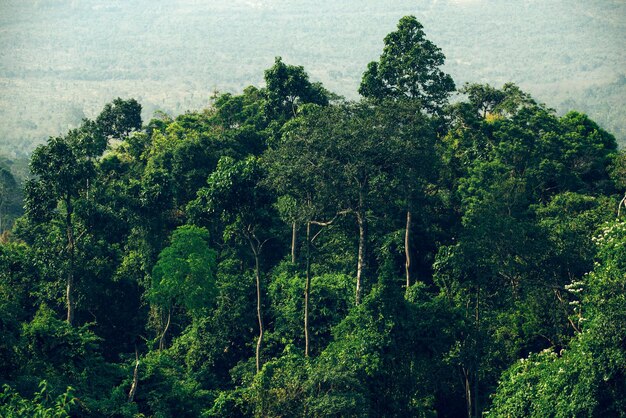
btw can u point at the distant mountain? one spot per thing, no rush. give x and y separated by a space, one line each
62 60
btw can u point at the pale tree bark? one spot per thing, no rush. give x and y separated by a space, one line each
294 239
307 283
407 248
133 386
69 287
361 261
468 392
477 412
307 289
256 246
167 326
257 274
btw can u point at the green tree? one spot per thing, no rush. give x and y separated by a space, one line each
364 372
184 275
235 195
10 199
587 377
409 70
63 168
120 118
338 161
410 66
287 88
13 405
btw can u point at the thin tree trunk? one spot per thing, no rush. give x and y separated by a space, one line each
407 248
361 264
478 354
294 239
258 307
69 289
307 287
167 326
133 386
468 393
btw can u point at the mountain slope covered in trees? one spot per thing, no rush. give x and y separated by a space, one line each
286 252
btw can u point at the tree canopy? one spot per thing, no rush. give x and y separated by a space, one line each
285 252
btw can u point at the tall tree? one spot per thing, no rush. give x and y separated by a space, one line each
235 195
63 168
410 67
340 160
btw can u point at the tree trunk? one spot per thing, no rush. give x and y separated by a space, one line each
407 248
257 273
294 240
167 326
133 386
362 263
69 289
478 354
307 287
468 393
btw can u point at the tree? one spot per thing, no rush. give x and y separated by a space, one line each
14 405
120 118
10 199
587 377
511 254
235 195
305 195
63 168
410 67
184 275
288 87
365 370
340 161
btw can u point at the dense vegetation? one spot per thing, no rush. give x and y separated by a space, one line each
289 253
62 60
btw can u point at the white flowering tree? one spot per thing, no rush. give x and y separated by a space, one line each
587 377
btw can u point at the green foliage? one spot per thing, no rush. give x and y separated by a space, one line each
120 118
330 301
42 405
280 388
182 228
409 67
185 272
288 88
363 371
19 279
10 198
164 390
587 378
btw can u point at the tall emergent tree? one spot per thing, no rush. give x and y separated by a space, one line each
409 69
63 168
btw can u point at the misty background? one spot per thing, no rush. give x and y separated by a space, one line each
62 60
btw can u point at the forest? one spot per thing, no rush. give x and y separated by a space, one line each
286 252
62 60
